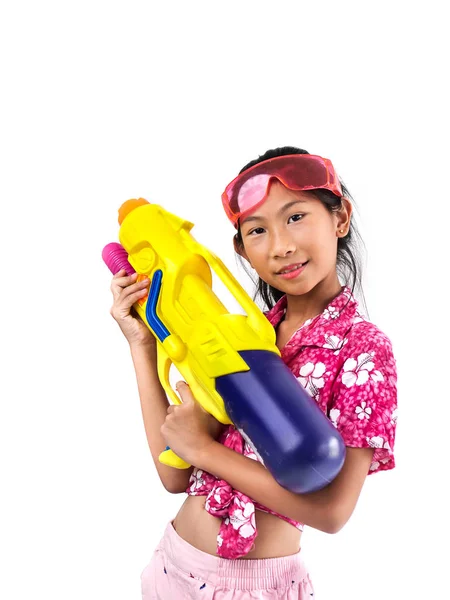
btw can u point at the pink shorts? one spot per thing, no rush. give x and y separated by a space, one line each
178 571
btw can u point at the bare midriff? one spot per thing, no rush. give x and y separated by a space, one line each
276 537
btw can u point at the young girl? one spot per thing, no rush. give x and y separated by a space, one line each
238 533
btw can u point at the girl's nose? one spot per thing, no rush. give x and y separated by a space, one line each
282 246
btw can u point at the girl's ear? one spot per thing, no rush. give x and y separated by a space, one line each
344 217
239 249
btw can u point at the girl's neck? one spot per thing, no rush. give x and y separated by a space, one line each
307 306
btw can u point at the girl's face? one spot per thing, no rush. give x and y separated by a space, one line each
291 240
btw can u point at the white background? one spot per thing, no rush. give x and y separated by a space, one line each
105 101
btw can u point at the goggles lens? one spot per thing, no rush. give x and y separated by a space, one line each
299 172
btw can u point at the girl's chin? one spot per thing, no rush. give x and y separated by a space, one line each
297 287
294 288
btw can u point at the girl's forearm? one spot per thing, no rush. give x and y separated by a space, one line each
253 479
154 406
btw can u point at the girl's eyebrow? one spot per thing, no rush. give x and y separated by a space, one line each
280 211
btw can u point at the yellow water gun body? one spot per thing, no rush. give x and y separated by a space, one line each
230 361
193 328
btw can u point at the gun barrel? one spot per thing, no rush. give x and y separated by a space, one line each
284 425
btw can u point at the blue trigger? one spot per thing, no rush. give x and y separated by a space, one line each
152 318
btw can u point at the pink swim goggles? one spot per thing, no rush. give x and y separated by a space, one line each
299 172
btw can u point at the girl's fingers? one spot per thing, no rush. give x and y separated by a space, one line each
134 288
123 273
127 291
133 298
123 305
124 286
128 297
121 279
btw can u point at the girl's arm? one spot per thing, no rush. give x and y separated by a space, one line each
187 431
127 290
327 510
154 405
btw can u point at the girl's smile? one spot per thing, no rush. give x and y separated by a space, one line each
292 271
291 241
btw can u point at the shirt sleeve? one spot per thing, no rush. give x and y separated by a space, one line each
363 405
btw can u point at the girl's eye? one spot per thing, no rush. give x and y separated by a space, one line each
297 217
257 231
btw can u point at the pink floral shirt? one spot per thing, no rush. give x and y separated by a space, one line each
347 365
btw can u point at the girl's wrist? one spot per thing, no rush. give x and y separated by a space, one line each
204 458
147 347
145 361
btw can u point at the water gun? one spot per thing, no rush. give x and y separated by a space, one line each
230 361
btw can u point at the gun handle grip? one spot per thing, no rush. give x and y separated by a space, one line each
169 458
163 365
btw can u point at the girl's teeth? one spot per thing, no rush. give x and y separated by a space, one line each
290 270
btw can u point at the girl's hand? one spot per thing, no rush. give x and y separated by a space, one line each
188 428
125 293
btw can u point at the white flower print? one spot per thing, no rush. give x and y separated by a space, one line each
375 441
311 377
379 442
363 411
197 482
334 342
219 540
220 493
334 415
394 416
359 318
357 371
330 313
377 376
243 518
249 451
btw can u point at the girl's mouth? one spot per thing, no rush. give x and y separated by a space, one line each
292 271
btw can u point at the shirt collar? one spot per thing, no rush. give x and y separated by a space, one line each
335 321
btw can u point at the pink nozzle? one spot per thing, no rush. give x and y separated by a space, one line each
115 257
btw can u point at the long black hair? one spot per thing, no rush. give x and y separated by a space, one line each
348 261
